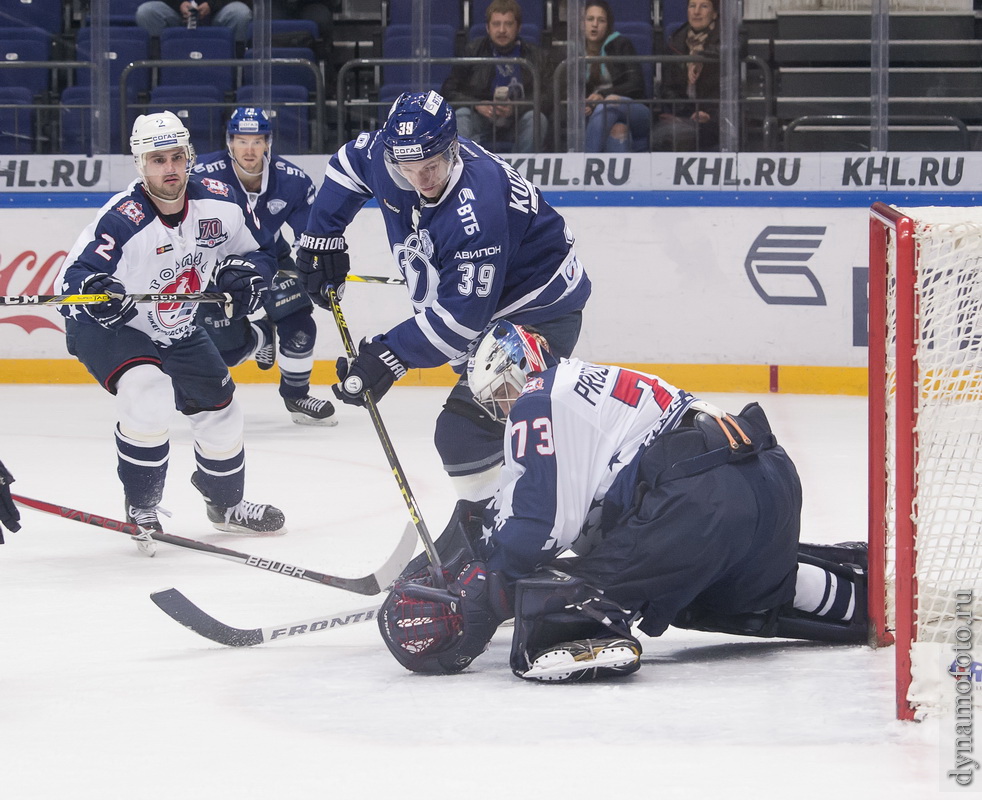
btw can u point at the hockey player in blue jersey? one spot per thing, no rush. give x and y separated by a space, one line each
678 513
169 232
278 192
475 242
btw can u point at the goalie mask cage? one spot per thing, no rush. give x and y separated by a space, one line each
925 452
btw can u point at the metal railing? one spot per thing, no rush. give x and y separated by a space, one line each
349 66
846 122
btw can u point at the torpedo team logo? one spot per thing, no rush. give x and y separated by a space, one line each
187 280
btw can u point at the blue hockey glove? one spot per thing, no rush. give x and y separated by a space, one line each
239 277
322 262
374 370
110 314
9 515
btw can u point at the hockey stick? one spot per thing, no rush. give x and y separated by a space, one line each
390 453
88 299
376 279
176 606
370 584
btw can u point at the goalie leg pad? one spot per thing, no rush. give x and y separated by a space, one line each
553 608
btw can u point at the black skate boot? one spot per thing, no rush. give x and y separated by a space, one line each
245 517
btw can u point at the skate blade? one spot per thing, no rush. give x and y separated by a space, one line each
560 664
303 419
242 531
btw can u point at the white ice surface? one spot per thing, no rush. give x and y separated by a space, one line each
103 696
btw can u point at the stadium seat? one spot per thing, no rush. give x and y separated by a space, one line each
16 124
37 80
291 124
642 36
203 122
402 47
284 29
194 46
126 45
286 74
48 15
75 128
674 14
401 13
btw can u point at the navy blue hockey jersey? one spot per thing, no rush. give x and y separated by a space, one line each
489 248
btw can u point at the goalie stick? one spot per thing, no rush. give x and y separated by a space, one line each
370 584
176 606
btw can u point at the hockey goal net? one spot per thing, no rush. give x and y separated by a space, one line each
925 452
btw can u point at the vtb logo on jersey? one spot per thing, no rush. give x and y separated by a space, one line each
210 233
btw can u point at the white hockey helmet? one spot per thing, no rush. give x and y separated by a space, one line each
160 131
500 366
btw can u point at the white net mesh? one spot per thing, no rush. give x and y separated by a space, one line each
948 441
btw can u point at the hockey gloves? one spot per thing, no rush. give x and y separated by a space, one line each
440 631
9 515
239 278
374 370
322 262
110 314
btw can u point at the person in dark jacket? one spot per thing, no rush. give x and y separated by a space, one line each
687 123
613 123
467 86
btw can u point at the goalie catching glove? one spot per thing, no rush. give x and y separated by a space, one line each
239 278
110 314
322 263
441 631
374 370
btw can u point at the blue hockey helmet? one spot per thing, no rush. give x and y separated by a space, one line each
420 126
250 121
499 368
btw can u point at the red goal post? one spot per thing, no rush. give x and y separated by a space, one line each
925 450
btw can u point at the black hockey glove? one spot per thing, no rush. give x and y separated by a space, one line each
442 630
9 515
322 262
239 278
110 314
374 370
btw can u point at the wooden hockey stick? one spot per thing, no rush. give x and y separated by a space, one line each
370 584
390 453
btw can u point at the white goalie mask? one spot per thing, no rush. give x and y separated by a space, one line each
155 132
500 366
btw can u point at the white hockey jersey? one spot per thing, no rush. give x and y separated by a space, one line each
572 431
130 241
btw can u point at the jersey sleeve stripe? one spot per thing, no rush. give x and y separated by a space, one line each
563 281
345 177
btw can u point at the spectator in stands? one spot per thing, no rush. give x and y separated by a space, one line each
468 85
686 123
155 15
614 124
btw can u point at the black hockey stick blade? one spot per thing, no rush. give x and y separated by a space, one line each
176 606
370 584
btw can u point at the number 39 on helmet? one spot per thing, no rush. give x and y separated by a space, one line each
420 126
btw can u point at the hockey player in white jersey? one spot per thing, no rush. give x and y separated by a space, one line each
279 192
168 232
679 514
475 242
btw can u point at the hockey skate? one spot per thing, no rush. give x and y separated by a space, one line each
249 518
309 410
586 660
146 519
266 355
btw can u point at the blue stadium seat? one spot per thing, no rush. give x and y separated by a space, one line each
123 12
35 79
286 74
16 124
402 47
401 13
126 46
674 14
203 122
284 27
48 15
75 127
642 36
291 124
201 44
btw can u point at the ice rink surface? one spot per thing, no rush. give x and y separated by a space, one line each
103 696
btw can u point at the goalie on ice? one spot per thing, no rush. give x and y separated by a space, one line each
677 512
